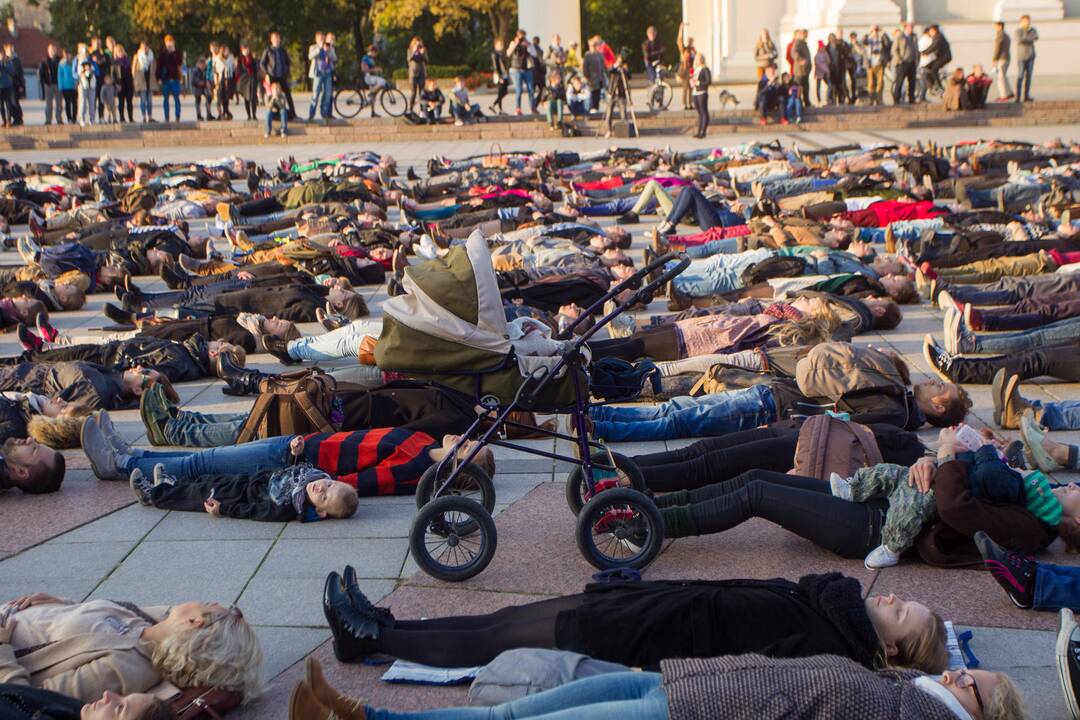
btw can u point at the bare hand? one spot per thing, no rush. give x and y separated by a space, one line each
922 474
213 507
26 601
296 446
244 275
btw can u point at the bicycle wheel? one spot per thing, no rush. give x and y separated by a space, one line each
439 546
628 475
620 528
664 95
348 102
393 102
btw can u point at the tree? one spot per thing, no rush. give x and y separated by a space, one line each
622 23
450 15
76 20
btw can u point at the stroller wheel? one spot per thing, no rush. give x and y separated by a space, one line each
620 528
629 475
471 481
452 538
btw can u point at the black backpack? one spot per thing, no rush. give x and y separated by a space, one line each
615 379
778 266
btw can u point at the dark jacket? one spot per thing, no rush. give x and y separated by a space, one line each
288 303
14 414
246 497
802 62
221 327
816 688
169 64
275 62
180 361
47 71
639 624
1002 45
948 542
71 381
23 702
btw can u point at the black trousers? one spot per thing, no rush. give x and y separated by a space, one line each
71 104
594 99
415 406
701 104
1010 290
1062 363
905 73
715 460
500 93
1029 313
801 505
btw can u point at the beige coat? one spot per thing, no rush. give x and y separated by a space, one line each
85 665
833 369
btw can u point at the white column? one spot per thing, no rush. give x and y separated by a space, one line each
1011 10
551 17
861 13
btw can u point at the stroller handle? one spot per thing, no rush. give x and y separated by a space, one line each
637 277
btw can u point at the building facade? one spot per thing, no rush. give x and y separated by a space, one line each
727 30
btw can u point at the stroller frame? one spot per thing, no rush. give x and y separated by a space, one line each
433 494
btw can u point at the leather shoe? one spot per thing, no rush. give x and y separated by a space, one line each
355 636
238 380
344 707
303 705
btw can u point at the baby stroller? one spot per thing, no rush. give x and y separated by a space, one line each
451 324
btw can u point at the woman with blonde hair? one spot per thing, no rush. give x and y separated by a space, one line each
765 53
84 649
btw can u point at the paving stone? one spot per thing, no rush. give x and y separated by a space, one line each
372 557
375 518
178 525
285 646
296 602
133 522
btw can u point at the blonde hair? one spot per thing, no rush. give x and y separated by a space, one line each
348 504
224 653
807 330
1005 703
926 650
60 433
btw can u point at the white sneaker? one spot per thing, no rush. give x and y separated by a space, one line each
881 557
840 487
427 249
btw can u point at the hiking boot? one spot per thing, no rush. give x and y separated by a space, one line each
154 411
141 487
1067 656
119 315
1013 404
99 451
1013 572
29 341
344 707
359 600
238 380
937 358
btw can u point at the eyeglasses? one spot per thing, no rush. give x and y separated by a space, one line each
966 680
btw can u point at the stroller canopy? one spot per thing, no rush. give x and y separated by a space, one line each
451 318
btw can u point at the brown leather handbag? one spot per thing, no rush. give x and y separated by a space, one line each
292 403
203 703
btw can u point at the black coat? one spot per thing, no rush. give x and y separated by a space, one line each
241 496
296 303
639 624
221 327
71 381
23 702
179 361
13 418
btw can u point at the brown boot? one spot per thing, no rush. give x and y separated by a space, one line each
303 705
344 707
1014 405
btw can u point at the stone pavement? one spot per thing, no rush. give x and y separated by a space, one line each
91 540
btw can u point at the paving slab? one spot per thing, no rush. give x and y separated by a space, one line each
314 558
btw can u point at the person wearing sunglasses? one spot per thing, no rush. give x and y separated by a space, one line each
823 687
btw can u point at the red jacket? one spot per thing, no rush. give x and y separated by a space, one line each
387 461
884 212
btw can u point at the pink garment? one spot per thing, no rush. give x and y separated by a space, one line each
709 334
713 233
666 181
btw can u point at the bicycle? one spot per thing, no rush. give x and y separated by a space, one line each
350 102
660 92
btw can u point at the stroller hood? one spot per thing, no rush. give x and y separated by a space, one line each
451 317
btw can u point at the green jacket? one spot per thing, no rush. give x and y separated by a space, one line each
909 509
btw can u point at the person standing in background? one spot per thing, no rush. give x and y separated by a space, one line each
906 63
1002 58
418 60
144 77
1026 36
277 66
652 52
65 75
500 76
702 80
686 63
168 73
765 53
878 50
312 51
48 76
595 73
124 82
247 81
802 64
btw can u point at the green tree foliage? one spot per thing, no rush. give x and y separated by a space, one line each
622 23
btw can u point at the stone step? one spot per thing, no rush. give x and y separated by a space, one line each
368 130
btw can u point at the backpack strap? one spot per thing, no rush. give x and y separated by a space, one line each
868 442
258 414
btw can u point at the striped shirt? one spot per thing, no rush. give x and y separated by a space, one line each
386 461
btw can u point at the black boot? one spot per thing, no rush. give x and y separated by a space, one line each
355 636
120 316
239 381
359 600
175 278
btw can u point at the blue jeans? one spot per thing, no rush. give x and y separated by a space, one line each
1059 414
170 88
783 187
623 695
1056 587
684 417
251 457
793 109
718 274
618 206
1015 193
1023 80
283 115
723 246
193 429
905 230
322 97
522 81
1062 332
146 104
578 108
336 344
555 110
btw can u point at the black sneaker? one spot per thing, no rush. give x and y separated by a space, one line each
630 218
119 315
1013 572
1068 662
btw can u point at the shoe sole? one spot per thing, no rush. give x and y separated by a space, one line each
1066 627
928 341
1010 390
148 423
996 386
1031 434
